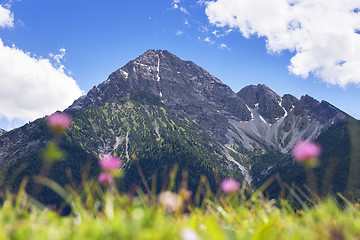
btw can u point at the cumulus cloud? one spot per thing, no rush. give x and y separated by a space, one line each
6 17
32 87
323 35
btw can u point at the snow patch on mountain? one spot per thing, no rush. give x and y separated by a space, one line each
158 69
2 131
126 74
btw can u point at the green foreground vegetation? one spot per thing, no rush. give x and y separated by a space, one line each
104 213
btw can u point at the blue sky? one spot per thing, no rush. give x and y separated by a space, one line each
51 52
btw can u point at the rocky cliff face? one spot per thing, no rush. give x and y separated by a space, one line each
2 131
281 121
22 142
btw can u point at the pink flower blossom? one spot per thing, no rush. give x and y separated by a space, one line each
305 151
59 122
105 178
108 163
230 185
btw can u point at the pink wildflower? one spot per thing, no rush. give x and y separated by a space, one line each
306 151
106 178
230 185
59 122
108 163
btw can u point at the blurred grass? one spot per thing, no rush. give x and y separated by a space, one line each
104 213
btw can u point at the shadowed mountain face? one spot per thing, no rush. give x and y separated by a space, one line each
160 107
2 131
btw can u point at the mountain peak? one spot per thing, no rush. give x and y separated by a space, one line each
153 51
252 94
158 72
267 101
156 52
152 56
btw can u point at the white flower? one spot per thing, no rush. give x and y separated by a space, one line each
189 234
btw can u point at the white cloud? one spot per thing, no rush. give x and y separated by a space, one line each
322 34
184 10
6 17
204 29
208 40
175 5
58 57
179 32
201 2
217 33
32 87
224 46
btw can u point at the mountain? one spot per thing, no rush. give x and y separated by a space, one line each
2 131
255 116
166 111
282 121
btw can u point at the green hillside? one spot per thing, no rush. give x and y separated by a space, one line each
139 124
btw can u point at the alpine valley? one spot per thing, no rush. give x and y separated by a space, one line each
169 112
